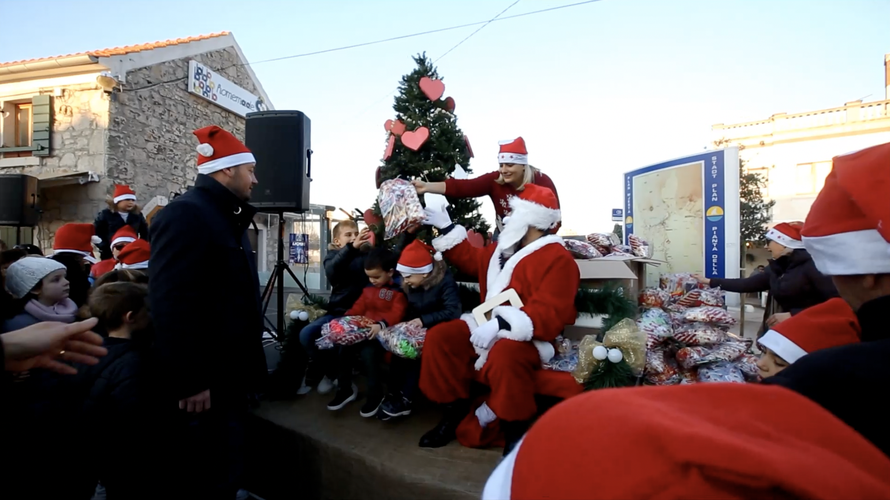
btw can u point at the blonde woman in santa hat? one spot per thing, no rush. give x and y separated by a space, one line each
73 247
848 234
507 349
791 278
122 211
508 181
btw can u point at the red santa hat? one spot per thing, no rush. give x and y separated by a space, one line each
513 151
691 441
125 234
77 238
829 324
135 255
220 150
536 207
786 234
123 192
417 258
845 231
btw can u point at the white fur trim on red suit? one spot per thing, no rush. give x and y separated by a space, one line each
521 327
500 484
528 213
783 239
452 239
138 265
851 253
485 415
118 199
782 346
499 278
225 162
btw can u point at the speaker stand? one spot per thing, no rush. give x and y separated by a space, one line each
276 280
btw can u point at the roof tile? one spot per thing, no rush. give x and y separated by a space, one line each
128 49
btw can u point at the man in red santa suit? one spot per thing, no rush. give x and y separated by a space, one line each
508 348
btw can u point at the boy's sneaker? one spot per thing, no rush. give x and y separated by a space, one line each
304 389
372 404
398 406
343 398
326 386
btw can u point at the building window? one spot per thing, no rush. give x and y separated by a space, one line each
810 177
23 125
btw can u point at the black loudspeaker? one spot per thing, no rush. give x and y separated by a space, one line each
18 200
280 142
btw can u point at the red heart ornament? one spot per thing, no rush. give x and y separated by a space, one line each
372 238
371 218
387 125
449 104
475 239
433 89
413 140
390 146
469 148
398 128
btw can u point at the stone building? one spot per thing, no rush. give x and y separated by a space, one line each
80 123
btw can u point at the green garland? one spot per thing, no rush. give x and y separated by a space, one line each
609 375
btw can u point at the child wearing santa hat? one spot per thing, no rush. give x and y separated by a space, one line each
135 256
433 298
73 247
121 238
122 211
829 324
701 441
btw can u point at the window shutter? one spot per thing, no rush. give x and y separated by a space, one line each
42 120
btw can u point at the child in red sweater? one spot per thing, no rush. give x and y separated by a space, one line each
384 302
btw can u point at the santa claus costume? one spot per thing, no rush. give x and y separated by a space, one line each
510 347
703 441
512 151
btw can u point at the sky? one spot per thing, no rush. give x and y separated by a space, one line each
596 90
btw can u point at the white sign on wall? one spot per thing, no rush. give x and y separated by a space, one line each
208 84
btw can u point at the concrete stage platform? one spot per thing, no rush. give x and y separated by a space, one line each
300 450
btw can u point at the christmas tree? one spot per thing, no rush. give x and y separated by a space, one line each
422 111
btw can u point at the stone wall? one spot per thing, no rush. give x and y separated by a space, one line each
150 142
80 124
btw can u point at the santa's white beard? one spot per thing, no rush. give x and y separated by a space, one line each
510 237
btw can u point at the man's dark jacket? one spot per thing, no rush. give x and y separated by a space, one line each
850 381
204 296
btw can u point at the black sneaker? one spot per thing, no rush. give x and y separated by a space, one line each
372 404
397 407
343 398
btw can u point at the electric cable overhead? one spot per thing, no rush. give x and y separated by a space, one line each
375 42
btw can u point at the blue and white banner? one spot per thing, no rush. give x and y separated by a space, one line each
688 211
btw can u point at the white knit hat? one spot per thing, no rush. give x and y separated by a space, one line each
24 274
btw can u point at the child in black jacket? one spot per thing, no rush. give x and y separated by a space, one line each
344 266
122 210
117 397
433 298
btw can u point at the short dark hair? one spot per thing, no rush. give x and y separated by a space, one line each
380 258
111 302
13 255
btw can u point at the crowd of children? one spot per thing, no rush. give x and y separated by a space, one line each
109 399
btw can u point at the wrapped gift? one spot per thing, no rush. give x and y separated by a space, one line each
404 340
400 207
347 330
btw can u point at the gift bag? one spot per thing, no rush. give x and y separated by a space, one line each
639 246
404 340
347 330
400 206
582 249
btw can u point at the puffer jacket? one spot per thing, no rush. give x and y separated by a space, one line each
345 269
436 300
